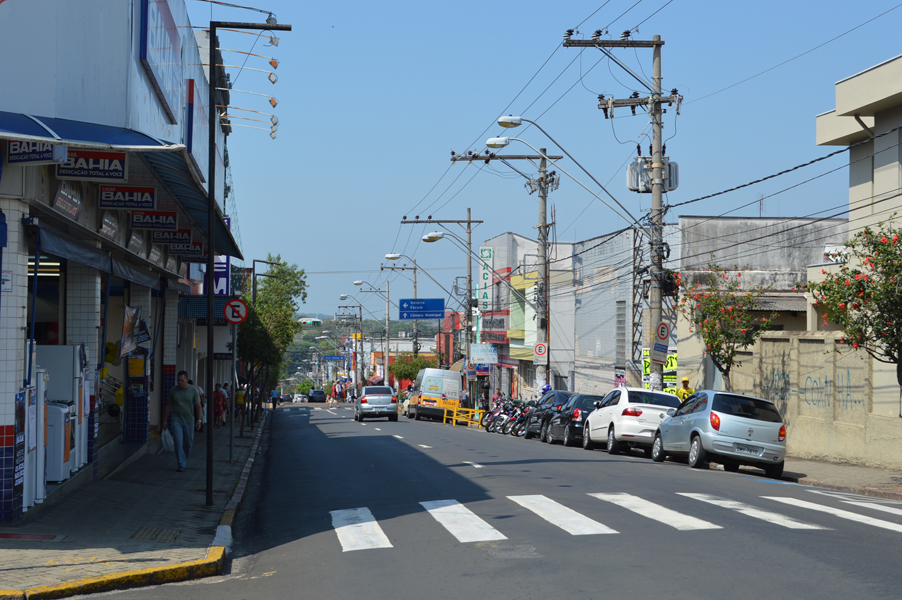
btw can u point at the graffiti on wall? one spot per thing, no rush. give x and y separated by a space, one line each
815 390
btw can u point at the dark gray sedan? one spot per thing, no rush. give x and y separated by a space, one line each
731 429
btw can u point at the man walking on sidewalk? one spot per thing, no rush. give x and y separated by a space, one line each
185 407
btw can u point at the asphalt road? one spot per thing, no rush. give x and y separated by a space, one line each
334 511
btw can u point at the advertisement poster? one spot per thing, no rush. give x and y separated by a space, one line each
19 449
32 438
129 327
670 370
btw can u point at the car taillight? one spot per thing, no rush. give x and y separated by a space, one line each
558 407
782 436
631 412
715 421
575 414
394 399
363 400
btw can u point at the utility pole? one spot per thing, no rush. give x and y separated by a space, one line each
416 330
386 356
543 372
653 102
471 301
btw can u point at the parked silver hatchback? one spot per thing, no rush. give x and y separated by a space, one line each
731 429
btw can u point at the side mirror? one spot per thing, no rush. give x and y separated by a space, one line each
670 412
597 404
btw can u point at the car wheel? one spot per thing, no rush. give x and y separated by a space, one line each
774 471
527 434
549 435
392 417
613 444
416 412
588 444
657 449
731 466
647 451
697 454
356 416
543 434
568 437
409 413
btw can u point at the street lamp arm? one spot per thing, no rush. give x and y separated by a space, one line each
419 268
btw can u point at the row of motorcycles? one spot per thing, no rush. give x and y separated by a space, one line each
508 417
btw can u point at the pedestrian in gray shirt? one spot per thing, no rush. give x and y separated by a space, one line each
185 407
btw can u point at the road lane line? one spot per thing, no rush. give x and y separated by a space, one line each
357 530
557 514
474 465
332 412
398 436
423 446
461 522
883 507
377 429
838 512
656 512
753 511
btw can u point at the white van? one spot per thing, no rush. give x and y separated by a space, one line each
433 391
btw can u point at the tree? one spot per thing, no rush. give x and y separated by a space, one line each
406 366
726 316
865 296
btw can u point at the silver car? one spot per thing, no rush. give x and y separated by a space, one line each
731 429
376 401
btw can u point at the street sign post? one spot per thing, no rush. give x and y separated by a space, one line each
413 309
235 311
660 343
333 357
539 353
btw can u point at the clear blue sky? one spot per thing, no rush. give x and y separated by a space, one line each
374 96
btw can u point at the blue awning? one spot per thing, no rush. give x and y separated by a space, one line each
170 162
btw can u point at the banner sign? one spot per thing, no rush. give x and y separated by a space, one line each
155 255
670 370
68 199
221 269
483 354
484 286
128 196
136 242
35 153
154 219
94 165
161 53
179 236
109 225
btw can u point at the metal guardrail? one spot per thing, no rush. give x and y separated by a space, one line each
469 416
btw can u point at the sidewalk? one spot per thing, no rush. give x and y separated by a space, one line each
144 524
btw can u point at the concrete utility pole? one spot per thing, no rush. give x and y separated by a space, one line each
386 356
655 296
543 315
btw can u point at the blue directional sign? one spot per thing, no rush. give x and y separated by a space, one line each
333 357
410 309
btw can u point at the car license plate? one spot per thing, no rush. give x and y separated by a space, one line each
428 403
752 450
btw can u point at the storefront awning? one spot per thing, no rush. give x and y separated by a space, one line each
170 161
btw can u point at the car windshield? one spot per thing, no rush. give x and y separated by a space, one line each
317 393
749 408
379 390
588 402
656 398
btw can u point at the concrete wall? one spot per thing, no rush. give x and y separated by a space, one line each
838 406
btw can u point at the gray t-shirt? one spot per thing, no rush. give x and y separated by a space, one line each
182 402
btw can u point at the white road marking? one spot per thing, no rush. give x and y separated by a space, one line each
357 530
656 512
398 436
474 465
332 412
838 512
557 514
889 509
423 446
316 408
752 511
377 429
461 522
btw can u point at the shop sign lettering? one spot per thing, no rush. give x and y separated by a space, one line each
125 196
180 236
91 165
68 199
154 219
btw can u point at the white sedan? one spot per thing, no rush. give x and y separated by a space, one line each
628 417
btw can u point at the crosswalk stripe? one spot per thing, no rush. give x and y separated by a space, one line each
658 513
461 522
357 530
838 512
557 514
875 506
753 511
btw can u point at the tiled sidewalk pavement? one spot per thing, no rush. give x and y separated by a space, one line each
147 515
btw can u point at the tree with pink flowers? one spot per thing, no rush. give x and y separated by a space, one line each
726 313
864 297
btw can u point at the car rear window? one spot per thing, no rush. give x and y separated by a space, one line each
317 393
749 408
588 402
385 390
656 398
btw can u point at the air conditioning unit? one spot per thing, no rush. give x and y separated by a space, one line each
638 175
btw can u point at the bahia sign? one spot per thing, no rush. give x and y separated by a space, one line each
155 219
127 196
93 165
181 236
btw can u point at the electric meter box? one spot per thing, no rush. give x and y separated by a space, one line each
638 175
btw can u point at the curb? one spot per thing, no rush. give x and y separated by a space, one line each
865 491
186 571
